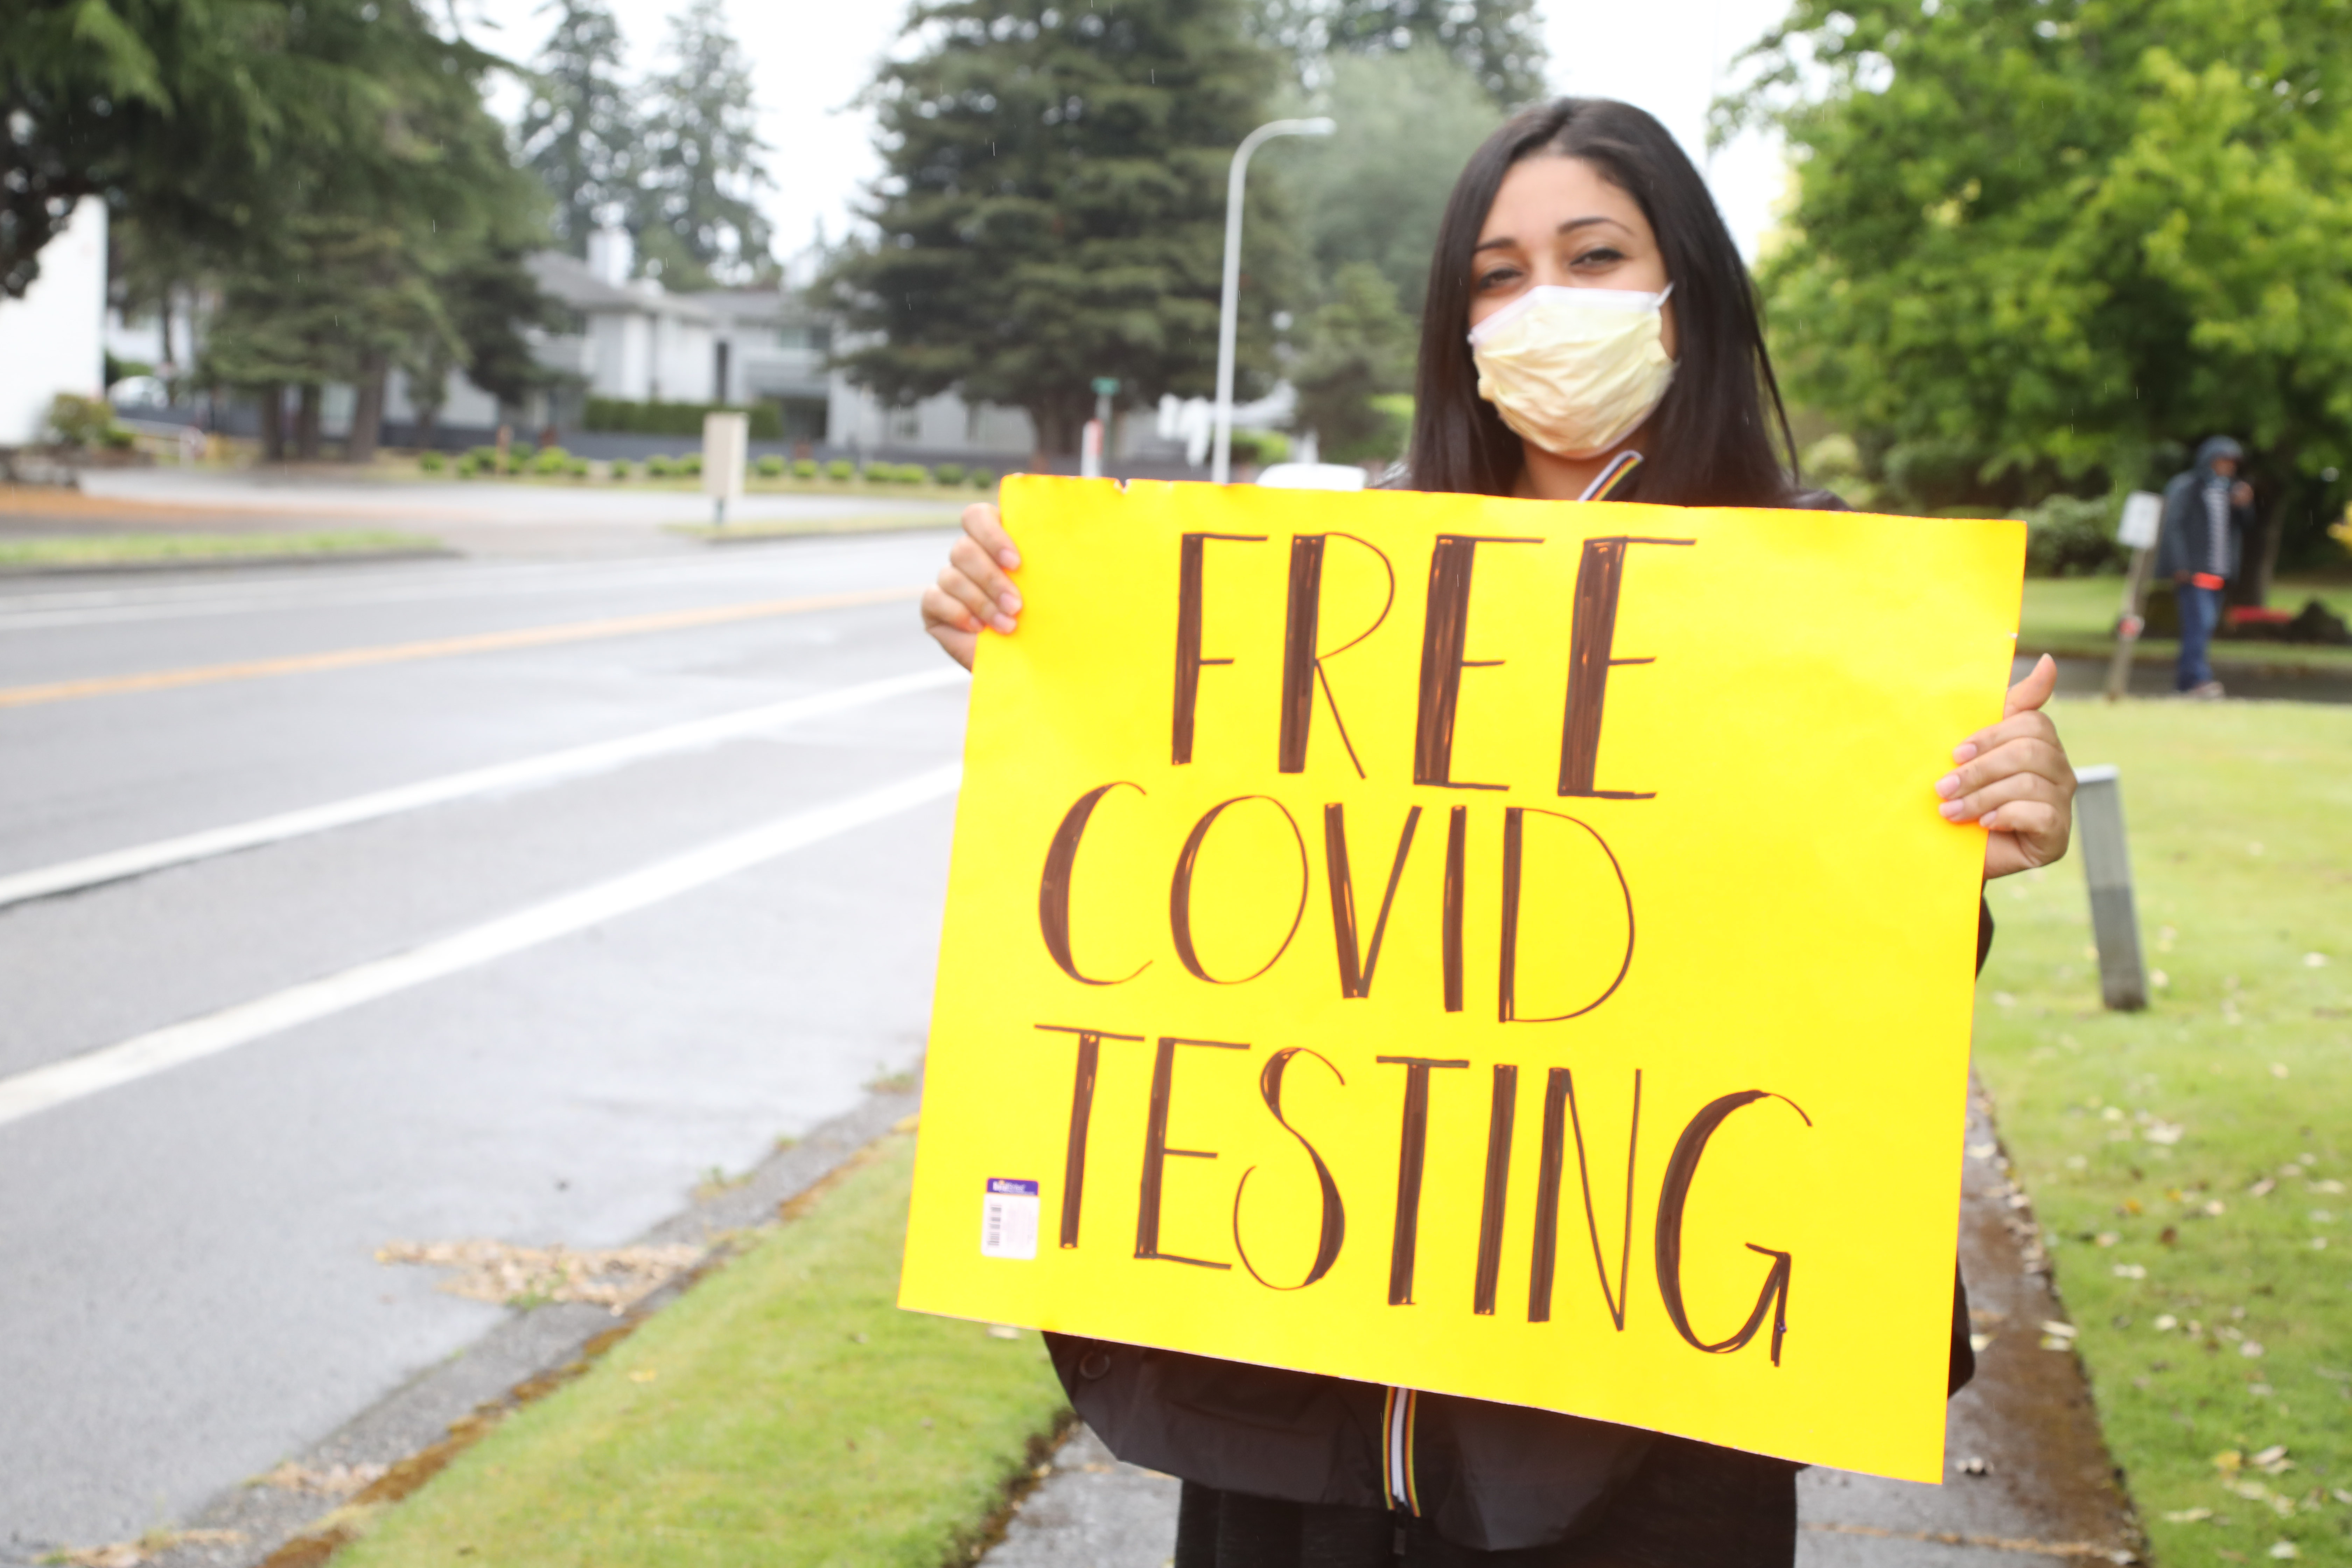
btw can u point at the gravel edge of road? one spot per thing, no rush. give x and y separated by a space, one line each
456 1398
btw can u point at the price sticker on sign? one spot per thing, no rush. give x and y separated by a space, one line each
1494 947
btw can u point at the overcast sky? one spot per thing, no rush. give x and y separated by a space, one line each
810 57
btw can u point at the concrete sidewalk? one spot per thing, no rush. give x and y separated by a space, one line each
2027 1477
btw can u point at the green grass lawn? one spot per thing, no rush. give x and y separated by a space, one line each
119 549
2190 1163
782 1411
2077 616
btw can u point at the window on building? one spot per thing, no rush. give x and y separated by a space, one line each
804 419
816 336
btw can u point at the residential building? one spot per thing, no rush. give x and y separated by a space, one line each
53 339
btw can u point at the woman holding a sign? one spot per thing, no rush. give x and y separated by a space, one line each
1590 333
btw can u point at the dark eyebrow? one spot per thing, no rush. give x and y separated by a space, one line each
1568 227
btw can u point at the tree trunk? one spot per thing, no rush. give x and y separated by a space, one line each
429 415
273 423
1056 434
306 422
367 412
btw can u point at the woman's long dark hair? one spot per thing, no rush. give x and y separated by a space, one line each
1708 444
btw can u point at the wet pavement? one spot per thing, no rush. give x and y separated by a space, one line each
2027 1475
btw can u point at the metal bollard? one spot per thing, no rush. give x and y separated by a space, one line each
2106 867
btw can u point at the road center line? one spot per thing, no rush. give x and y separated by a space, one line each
59 1083
116 865
443 647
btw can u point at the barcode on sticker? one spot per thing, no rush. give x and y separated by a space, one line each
1008 1219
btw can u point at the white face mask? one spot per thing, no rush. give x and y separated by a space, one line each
1574 370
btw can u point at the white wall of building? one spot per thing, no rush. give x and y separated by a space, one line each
54 339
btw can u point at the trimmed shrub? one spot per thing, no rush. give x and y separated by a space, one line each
913 474
771 466
2073 536
618 468
947 474
78 421
658 419
804 468
553 460
983 479
841 468
429 463
690 464
577 468
660 465
1260 446
484 458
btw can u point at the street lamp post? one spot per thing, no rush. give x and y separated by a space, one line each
1221 462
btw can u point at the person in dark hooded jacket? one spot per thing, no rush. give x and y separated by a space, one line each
1296 1469
2205 515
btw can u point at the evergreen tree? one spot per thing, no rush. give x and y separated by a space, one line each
578 132
338 267
1499 42
1357 349
702 169
1054 206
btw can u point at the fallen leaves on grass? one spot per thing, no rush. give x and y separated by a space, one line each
615 1278
335 1480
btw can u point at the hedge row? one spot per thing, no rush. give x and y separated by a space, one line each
659 418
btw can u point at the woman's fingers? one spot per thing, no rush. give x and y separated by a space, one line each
2033 690
984 525
951 625
2030 751
973 590
984 608
2013 779
1981 802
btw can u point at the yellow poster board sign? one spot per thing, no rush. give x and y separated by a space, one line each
1496 947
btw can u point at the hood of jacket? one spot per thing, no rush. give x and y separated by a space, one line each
2216 447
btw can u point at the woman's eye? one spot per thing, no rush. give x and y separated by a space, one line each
1496 277
1601 256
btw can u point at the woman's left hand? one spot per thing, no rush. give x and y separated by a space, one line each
2013 778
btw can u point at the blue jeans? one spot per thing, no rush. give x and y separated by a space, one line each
2201 612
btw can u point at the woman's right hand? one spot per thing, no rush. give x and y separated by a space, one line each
973 591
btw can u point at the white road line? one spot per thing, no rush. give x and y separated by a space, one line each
143 1056
599 756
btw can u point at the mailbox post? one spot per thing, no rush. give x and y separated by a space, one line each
2143 514
726 451
2106 867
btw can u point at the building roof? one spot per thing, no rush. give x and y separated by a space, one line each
568 279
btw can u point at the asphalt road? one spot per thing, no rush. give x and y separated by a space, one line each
190 1294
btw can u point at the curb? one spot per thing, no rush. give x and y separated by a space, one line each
419 1425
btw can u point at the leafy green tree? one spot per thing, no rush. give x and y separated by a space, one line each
1356 350
578 132
703 168
192 115
1373 192
2040 246
1499 42
1054 208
